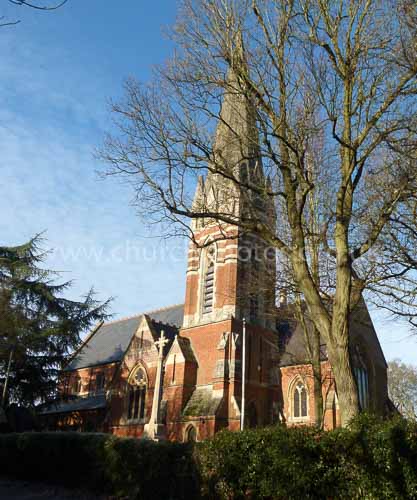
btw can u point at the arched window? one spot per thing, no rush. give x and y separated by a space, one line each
137 395
208 285
299 401
361 375
362 379
191 434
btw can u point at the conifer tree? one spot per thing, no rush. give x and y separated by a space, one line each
38 325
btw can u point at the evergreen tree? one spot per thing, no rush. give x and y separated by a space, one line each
38 326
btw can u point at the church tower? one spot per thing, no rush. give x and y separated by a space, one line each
231 271
231 277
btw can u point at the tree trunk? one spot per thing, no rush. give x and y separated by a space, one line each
316 364
312 344
345 383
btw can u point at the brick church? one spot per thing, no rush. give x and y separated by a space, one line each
176 373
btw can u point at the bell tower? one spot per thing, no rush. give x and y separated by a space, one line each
231 270
231 276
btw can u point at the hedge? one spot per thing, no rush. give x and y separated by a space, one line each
122 467
372 459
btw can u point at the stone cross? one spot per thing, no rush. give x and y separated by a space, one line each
154 428
161 344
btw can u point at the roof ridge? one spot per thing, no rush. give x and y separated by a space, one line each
125 318
164 308
138 315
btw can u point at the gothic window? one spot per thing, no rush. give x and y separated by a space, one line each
362 378
208 289
299 401
361 375
136 395
191 434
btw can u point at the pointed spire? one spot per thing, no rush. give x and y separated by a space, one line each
236 150
199 200
236 139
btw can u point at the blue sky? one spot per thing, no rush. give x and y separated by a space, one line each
58 71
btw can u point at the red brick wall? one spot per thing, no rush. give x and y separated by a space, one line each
305 372
88 379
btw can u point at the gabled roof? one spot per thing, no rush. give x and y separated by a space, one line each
182 345
292 340
186 349
110 340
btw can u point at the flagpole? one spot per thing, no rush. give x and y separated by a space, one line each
242 410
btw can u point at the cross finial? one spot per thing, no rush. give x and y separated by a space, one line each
162 341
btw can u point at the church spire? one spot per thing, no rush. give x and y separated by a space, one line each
236 143
199 196
236 159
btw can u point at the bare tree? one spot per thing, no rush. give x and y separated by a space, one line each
402 386
341 74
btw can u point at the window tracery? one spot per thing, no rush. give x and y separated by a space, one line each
136 395
191 434
299 400
362 378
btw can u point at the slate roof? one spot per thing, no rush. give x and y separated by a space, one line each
110 341
77 404
292 344
293 347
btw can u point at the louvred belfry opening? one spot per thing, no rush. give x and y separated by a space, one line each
209 288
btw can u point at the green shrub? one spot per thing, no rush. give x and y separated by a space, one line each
124 467
372 459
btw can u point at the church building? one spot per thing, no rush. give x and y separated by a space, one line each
176 373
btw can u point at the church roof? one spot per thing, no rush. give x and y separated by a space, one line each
293 346
292 340
108 343
74 404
